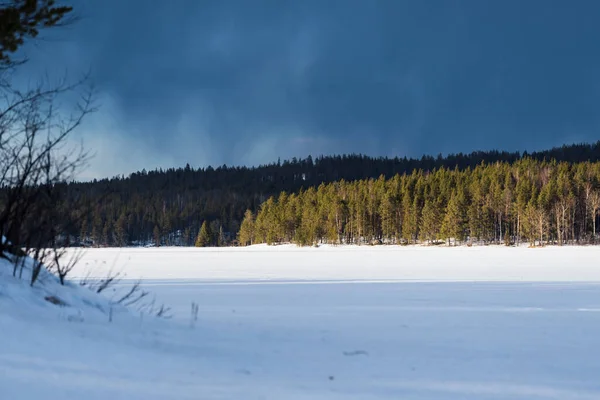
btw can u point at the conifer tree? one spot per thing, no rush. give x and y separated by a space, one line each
107 233
22 20
246 234
83 232
594 210
157 236
454 224
214 228
430 224
204 238
221 237
387 212
186 236
121 230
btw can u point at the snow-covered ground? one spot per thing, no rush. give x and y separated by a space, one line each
326 323
349 263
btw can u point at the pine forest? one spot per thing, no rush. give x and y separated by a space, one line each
527 201
548 197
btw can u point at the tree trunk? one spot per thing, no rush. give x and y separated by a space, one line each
500 224
594 226
518 229
558 230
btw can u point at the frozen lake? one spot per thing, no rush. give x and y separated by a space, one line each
407 340
332 323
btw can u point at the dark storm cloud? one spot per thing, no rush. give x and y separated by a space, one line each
244 82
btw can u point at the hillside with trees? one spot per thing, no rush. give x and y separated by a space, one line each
168 207
526 201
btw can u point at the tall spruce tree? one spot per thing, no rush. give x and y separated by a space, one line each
246 234
204 238
454 224
430 220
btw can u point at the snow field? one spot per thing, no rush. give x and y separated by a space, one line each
327 323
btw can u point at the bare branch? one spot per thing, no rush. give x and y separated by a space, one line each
133 295
62 262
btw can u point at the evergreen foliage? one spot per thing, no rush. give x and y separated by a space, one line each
528 200
21 20
205 237
167 207
246 234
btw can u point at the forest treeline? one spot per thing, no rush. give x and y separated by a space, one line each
528 200
168 207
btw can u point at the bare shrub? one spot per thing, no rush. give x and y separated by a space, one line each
35 131
62 262
135 297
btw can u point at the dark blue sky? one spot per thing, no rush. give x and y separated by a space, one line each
246 82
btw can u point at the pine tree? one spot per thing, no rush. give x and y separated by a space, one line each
430 220
387 216
454 224
121 231
594 210
290 219
246 234
83 233
106 233
221 238
214 228
157 236
22 21
204 238
186 235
